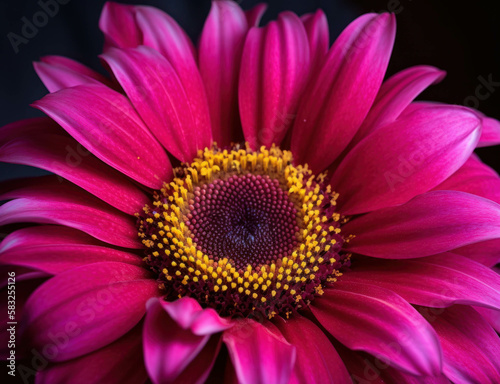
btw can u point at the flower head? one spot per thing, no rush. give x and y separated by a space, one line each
260 208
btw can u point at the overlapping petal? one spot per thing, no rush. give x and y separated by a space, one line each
86 308
339 97
105 123
274 69
316 25
259 353
317 360
175 333
102 366
57 72
435 281
157 93
67 158
375 320
52 249
418 228
119 26
413 155
471 348
47 201
220 49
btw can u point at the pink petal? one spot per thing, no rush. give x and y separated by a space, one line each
105 123
413 155
491 132
259 353
366 369
274 69
220 48
64 156
158 95
434 281
172 343
492 316
396 94
484 252
162 33
49 202
338 99
474 177
188 314
316 25
375 320
111 364
52 249
119 26
255 14
74 66
87 308
59 72
429 224
471 348
317 360
27 127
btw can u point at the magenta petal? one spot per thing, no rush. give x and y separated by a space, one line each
375 320
67 158
316 25
119 26
491 132
162 33
28 127
432 223
435 281
160 98
395 95
485 252
53 249
474 177
105 123
48 202
170 342
110 365
317 360
471 348
259 353
274 69
59 72
492 316
255 14
188 314
336 102
220 48
86 308
414 154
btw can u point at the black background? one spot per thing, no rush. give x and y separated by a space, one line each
463 38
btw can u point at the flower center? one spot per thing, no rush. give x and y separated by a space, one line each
245 232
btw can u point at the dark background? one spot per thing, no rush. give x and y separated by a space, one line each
462 38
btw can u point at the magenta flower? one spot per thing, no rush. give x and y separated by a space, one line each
261 208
